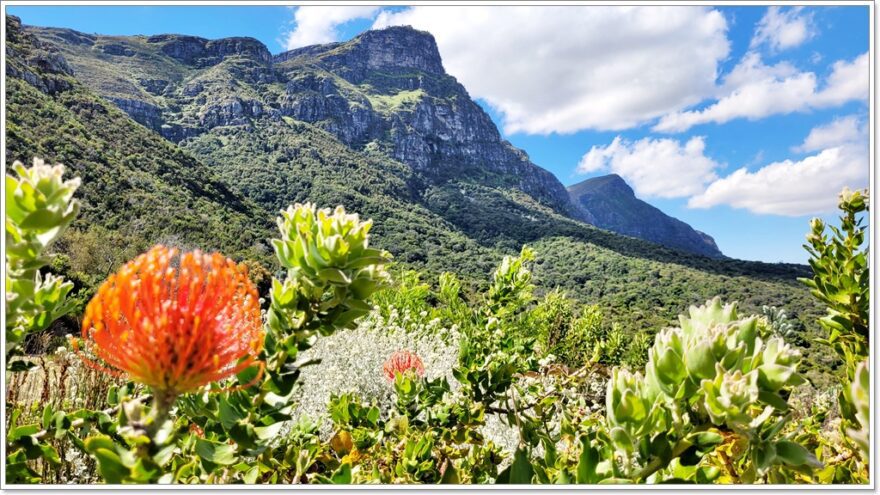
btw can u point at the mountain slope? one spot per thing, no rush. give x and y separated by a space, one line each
378 129
134 182
615 207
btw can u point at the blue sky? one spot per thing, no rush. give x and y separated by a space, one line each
741 121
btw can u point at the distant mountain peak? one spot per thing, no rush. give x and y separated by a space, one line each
395 48
610 182
613 206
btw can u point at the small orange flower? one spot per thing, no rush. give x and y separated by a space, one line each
176 323
401 362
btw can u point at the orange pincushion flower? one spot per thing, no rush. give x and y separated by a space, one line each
401 362
176 324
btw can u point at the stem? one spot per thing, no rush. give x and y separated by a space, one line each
163 400
729 466
658 463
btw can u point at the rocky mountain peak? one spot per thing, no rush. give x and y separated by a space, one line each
401 47
202 52
394 50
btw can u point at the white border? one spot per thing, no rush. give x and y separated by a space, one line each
390 488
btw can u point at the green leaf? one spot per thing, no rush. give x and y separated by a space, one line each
50 454
99 442
23 431
110 466
450 476
521 471
342 476
707 474
113 395
794 454
267 432
701 361
217 453
705 440
229 415
764 456
47 416
251 476
40 220
773 399
142 473
20 473
774 376
334 275
587 463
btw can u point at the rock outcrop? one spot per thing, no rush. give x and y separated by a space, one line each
201 52
52 73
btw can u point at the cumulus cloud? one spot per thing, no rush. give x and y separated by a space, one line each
848 81
791 188
659 168
754 90
845 130
319 24
566 69
783 28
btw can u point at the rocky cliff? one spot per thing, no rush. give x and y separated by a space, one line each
615 207
388 90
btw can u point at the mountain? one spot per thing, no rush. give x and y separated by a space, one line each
217 135
615 207
135 184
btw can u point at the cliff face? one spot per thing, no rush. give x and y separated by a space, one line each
388 90
615 207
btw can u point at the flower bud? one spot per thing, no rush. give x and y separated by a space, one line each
729 396
666 366
627 407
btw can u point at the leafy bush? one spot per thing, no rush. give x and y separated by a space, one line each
841 281
39 207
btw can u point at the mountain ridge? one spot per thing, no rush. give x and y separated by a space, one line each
383 89
615 207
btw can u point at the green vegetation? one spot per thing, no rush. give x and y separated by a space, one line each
841 280
712 402
390 103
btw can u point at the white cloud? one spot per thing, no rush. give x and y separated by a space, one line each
318 24
847 81
845 130
660 168
753 90
783 28
791 188
565 69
